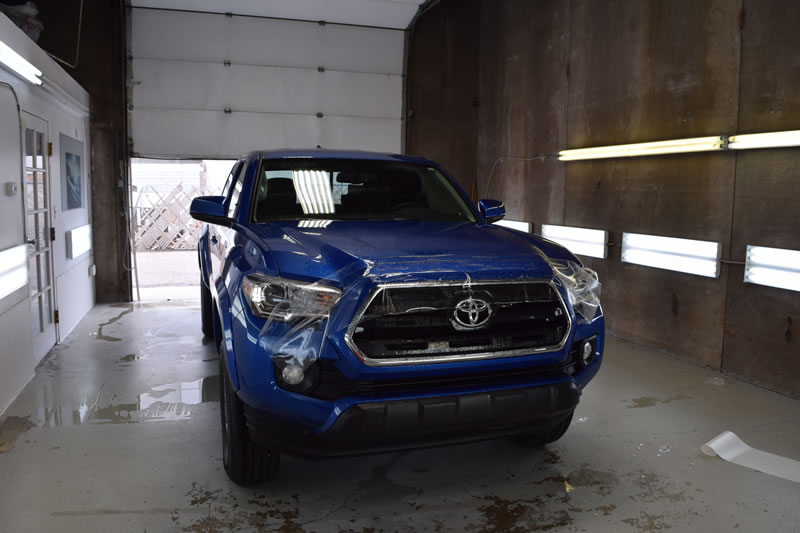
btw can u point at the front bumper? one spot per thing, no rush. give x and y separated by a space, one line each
378 427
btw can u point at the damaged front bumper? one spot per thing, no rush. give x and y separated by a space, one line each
356 408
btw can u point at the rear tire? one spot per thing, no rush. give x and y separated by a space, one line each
206 315
535 440
245 462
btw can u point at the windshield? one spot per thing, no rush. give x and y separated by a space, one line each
345 189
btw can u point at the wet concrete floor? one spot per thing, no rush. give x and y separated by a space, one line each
119 431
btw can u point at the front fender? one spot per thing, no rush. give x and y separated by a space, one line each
223 309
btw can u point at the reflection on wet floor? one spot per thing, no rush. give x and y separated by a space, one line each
172 401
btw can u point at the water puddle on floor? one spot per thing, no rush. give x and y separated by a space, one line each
169 402
130 358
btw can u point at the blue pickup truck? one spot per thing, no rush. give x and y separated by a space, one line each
362 303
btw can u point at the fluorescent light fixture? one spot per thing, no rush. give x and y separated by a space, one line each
580 241
682 255
13 269
776 139
314 223
314 191
19 64
774 267
79 241
514 224
698 144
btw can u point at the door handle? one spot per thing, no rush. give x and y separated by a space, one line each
32 242
214 239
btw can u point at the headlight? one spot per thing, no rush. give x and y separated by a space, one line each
285 300
582 287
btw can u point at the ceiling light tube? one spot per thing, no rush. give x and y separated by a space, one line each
515 224
775 139
322 189
774 267
19 64
698 144
580 241
302 193
13 269
682 255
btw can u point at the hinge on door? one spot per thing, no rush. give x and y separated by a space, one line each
50 149
55 316
52 234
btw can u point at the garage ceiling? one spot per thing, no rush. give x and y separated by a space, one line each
380 13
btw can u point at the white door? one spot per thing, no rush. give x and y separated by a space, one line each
38 233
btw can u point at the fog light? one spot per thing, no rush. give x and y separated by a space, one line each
292 374
587 353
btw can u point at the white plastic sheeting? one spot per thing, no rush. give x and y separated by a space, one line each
208 85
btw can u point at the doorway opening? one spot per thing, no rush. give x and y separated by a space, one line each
164 234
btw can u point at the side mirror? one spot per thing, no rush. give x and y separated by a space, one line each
210 209
492 210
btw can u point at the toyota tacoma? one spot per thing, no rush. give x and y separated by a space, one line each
362 303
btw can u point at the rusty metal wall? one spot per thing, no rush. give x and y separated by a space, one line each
576 73
442 94
762 324
523 90
648 71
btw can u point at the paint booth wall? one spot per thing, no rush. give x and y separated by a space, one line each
523 79
60 107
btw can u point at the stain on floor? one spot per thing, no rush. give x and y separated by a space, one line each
650 401
11 429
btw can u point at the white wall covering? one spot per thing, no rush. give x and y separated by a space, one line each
273 86
16 361
64 106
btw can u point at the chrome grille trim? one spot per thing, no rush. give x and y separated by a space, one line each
452 358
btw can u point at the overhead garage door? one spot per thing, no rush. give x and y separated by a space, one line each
216 85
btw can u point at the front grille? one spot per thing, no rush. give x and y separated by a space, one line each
404 323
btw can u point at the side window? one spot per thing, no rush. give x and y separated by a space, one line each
236 190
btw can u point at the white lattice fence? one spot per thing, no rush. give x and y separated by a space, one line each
163 221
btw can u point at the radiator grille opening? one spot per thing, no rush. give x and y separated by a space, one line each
421 322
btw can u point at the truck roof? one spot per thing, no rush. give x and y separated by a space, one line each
319 153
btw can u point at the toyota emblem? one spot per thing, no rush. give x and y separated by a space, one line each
471 313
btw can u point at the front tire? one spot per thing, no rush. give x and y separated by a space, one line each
245 462
206 310
535 440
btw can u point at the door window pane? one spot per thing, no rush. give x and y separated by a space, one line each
41 231
39 149
28 148
33 273
41 193
45 259
36 318
46 308
30 191
30 226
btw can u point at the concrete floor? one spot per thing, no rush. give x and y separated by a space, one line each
119 431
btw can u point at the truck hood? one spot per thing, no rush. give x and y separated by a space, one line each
398 250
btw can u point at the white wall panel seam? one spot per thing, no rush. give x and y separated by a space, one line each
260 65
257 112
188 36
